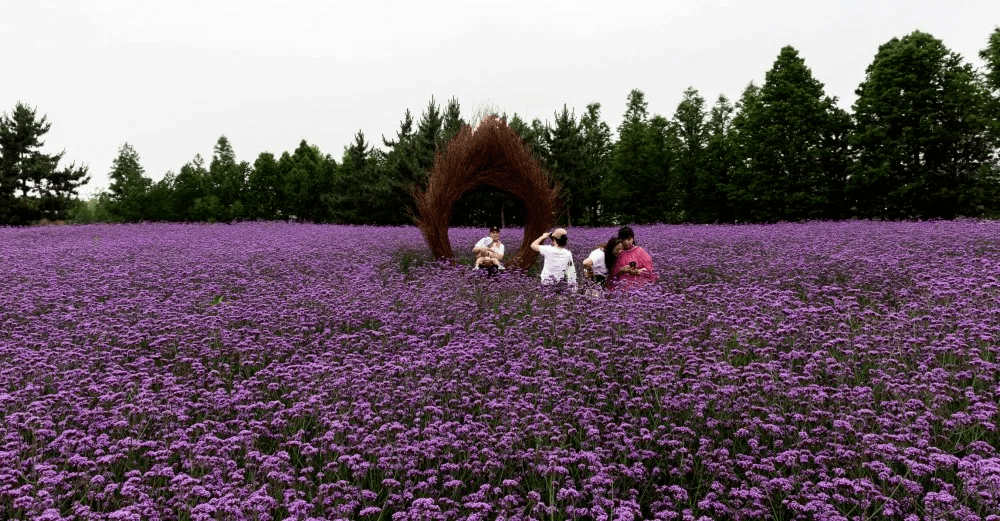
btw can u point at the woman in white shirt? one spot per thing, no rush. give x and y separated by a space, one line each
596 265
557 267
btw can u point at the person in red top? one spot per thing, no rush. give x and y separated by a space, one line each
633 267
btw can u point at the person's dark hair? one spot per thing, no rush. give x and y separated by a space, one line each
494 229
561 241
609 253
625 233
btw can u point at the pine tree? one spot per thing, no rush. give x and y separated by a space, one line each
793 140
991 55
922 135
192 201
692 134
452 123
597 148
265 189
129 188
565 162
712 186
228 181
631 189
46 191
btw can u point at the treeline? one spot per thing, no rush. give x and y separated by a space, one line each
921 142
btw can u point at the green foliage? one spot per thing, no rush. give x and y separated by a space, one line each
991 55
922 133
639 185
32 185
792 145
127 197
564 160
227 180
597 147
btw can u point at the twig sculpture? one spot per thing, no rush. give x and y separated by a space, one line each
491 154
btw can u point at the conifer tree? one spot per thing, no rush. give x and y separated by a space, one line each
129 186
597 148
922 135
32 185
793 143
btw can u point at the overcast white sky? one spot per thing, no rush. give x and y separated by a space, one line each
170 77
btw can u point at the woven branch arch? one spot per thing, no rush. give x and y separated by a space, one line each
492 154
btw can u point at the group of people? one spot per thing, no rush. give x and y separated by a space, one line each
618 264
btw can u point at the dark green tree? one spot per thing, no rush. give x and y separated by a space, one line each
922 138
452 123
400 172
597 148
308 175
633 189
359 194
160 200
793 141
565 162
692 134
228 181
711 200
265 189
991 55
192 200
128 201
32 185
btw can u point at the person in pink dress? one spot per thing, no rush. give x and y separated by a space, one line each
633 267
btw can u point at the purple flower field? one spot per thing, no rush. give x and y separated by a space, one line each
283 371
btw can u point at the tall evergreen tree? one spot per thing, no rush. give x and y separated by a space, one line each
692 134
192 200
308 175
46 191
228 181
794 145
565 162
712 186
452 122
359 194
629 190
922 132
265 189
427 141
991 55
129 188
597 148
399 172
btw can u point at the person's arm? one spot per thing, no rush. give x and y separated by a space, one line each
538 242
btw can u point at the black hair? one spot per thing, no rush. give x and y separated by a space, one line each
561 241
609 253
494 229
625 233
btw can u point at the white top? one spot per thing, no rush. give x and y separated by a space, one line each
485 242
558 264
597 257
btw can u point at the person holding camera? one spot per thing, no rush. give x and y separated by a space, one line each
557 266
633 267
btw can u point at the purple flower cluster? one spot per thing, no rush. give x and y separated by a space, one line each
280 371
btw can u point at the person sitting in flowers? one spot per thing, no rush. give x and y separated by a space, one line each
489 251
633 267
601 261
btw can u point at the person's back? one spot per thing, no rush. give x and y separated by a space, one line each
557 265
